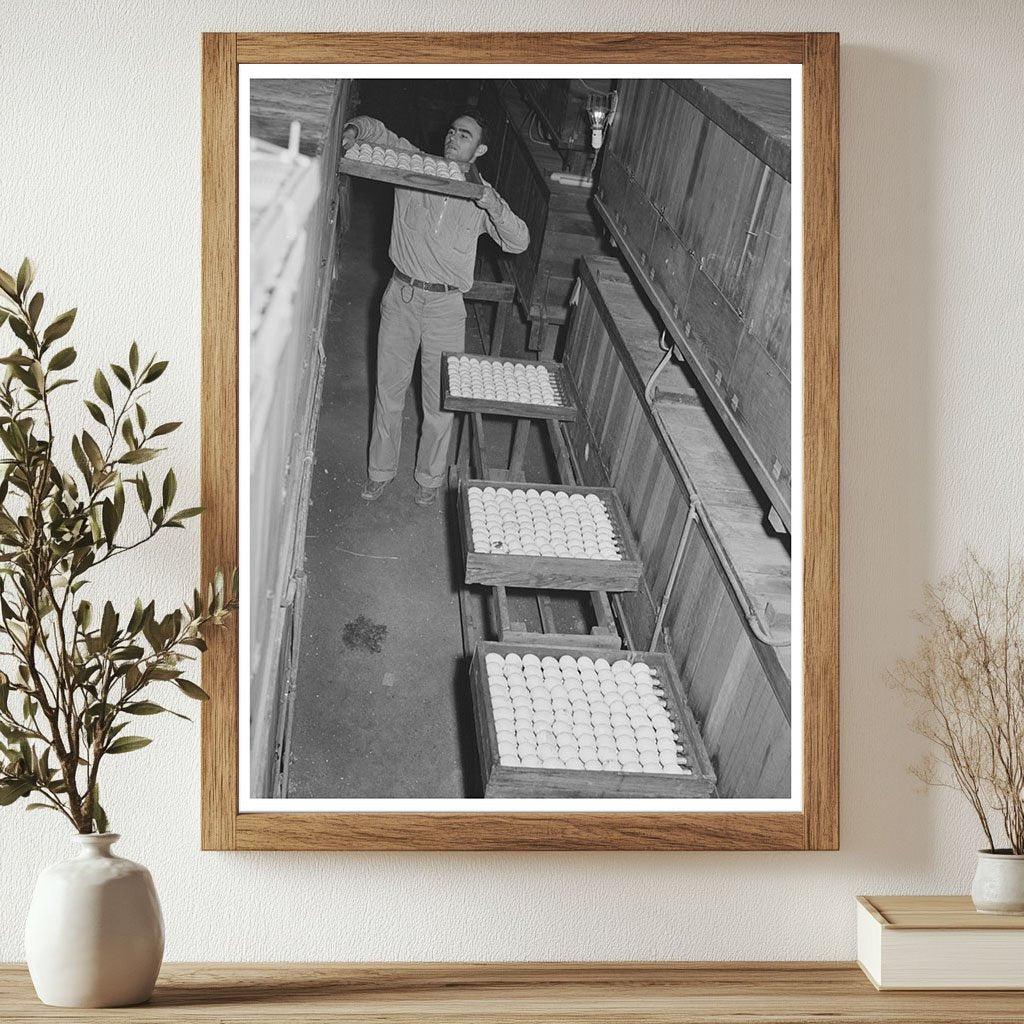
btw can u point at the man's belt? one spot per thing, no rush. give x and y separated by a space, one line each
427 286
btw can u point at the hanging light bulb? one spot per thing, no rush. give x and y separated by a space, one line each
601 109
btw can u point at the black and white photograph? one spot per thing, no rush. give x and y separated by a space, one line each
522 514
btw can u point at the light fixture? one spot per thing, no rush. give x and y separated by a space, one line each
601 109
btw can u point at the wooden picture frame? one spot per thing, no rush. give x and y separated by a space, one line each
816 827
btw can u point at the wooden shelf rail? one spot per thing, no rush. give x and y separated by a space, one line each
526 993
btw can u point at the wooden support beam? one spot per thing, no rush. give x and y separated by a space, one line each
478 446
547 614
519 442
561 450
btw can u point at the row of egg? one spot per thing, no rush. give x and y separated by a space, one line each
582 714
527 383
403 161
552 524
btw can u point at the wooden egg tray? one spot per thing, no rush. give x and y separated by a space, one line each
518 781
471 188
522 410
546 572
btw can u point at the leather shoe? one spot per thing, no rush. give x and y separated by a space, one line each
426 495
373 489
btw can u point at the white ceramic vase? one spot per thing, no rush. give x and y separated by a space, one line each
95 934
999 883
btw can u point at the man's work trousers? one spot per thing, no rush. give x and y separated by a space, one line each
411 319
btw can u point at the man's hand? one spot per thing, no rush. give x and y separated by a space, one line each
489 201
348 138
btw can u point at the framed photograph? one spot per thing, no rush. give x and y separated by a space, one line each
520 418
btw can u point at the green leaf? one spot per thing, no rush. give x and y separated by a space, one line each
109 521
121 374
140 415
42 807
102 388
128 433
145 707
165 428
34 308
191 690
126 744
99 816
8 284
60 326
139 455
154 372
4 314
20 328
63 359
170 488
119 499
14 790
145 497
133 358
185 513
108 627
92 449
80 459
26 274
96 412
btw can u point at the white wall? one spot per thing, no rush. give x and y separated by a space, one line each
100 183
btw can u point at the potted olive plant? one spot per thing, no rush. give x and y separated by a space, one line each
967 682
78 672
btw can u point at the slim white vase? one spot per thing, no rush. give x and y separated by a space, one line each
95 934
999 883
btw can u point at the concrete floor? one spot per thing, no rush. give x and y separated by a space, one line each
382 705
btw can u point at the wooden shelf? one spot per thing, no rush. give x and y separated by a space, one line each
796 993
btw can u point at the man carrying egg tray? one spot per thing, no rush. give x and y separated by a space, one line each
433 249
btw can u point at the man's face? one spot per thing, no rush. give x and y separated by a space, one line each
463 140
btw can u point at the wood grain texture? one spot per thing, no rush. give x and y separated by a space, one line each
479 830
952 913
520 47
219 431
527 993
817 828
821 441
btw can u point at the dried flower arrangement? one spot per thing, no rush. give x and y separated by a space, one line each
967 680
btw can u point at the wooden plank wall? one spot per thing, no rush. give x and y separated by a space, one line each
707 222
282 456
562 226
743 724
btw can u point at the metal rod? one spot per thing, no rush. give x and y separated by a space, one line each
691 516
757 627
665 359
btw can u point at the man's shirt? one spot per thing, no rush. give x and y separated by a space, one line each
433 237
